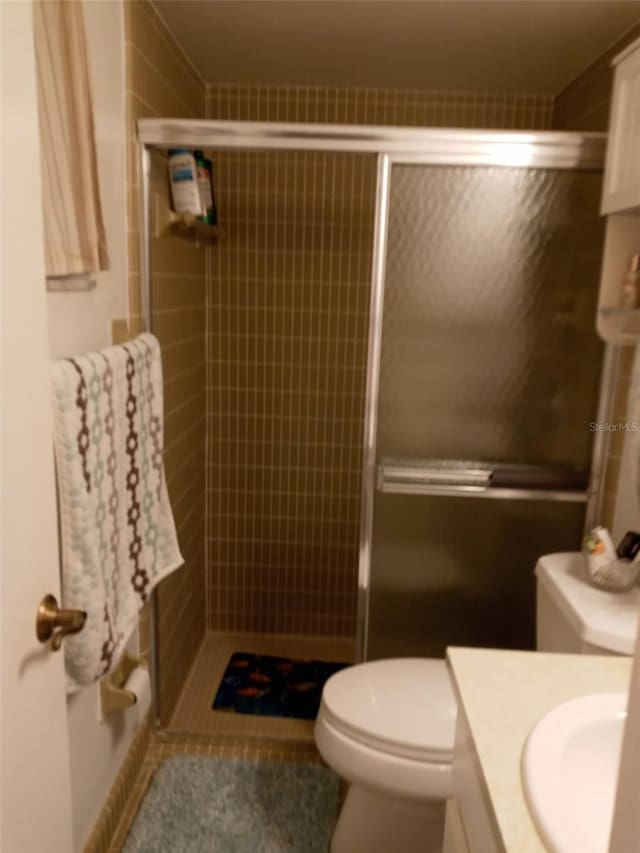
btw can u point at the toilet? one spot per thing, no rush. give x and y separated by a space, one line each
388 727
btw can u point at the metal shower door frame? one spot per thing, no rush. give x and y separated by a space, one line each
392 145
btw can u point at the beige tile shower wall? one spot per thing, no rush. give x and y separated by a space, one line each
288 300
160 82
584 105
288 312
398 107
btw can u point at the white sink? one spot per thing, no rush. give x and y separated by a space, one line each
570 769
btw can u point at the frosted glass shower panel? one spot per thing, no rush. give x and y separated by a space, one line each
451 571
488 344
489 375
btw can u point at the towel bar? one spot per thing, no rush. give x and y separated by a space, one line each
458 478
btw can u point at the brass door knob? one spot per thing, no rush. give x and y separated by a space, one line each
54 623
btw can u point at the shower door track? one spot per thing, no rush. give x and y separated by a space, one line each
541 149
392 145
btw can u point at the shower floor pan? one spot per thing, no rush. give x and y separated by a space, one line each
194 715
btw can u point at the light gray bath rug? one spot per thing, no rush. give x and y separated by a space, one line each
231 805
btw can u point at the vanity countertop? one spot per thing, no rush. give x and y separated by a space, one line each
504 694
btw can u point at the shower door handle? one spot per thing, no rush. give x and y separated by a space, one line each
482 480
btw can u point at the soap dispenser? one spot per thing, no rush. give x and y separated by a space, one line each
631 284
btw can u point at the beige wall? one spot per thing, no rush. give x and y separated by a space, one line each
160 82
288 304
584 103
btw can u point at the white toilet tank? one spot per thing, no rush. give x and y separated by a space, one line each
575 617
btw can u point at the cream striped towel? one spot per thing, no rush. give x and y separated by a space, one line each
118 534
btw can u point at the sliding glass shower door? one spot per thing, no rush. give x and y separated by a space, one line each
489 379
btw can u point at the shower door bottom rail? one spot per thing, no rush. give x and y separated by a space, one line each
460 478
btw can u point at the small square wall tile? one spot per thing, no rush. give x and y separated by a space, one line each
119 331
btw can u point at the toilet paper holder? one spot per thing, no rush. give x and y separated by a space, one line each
114 695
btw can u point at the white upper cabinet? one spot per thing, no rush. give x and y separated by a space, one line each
622 170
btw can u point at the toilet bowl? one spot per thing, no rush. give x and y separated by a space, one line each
388 728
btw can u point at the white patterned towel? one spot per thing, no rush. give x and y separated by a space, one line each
118 534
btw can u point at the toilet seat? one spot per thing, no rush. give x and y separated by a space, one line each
403 707
371 769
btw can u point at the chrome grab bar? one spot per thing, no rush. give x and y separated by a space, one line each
483 480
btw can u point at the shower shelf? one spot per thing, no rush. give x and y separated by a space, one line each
186 226
182 226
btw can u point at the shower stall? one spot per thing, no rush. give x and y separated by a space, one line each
400 425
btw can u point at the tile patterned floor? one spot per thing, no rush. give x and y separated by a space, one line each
195 717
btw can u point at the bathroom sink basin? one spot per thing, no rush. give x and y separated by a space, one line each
570 769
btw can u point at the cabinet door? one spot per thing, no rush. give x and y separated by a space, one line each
622 172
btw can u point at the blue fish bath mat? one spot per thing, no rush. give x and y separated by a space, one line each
273 686
231 805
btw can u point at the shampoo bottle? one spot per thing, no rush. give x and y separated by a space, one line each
184 182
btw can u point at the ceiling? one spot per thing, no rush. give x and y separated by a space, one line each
534 46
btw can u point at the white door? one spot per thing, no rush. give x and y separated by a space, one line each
35 778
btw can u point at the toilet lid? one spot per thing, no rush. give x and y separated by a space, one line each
404 706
